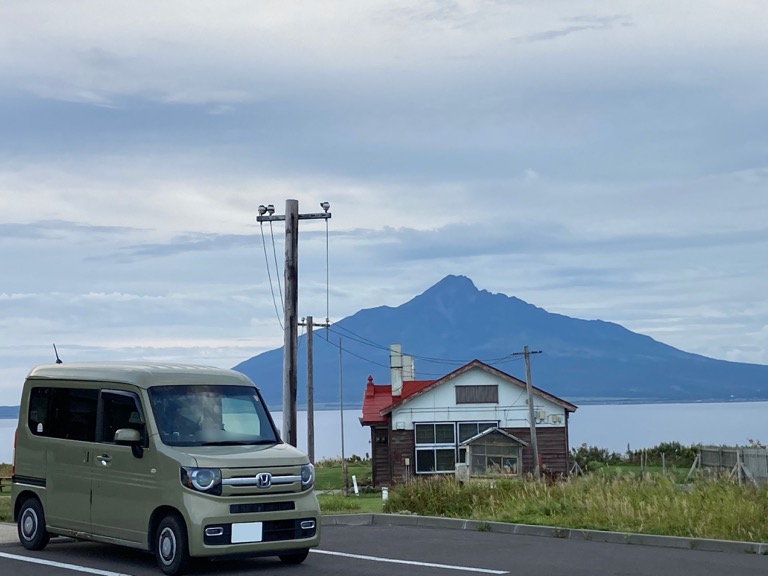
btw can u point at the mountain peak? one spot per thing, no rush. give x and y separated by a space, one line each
454 284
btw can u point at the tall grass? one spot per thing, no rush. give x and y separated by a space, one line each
340 504
654 505
5 508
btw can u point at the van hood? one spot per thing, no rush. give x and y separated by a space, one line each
246 456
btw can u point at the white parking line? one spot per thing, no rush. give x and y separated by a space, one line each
409 562
74 567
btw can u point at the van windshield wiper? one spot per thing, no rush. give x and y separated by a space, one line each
238 442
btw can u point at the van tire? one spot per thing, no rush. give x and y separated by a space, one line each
296 558
171 546
31 525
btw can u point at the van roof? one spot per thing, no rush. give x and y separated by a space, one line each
141 374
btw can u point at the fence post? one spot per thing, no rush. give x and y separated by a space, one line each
696 461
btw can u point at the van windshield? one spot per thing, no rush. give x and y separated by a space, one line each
201 415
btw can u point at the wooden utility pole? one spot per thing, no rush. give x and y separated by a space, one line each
531 418
310 324
310 394
344 471
290 325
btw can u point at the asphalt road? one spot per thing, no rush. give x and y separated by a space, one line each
382 550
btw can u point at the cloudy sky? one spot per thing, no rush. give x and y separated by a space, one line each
598 159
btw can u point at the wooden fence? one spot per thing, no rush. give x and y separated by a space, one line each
744 463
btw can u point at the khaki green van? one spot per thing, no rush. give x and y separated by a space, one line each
182 461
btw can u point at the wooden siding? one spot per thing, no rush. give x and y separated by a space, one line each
401 446
388 458
380 456
553 448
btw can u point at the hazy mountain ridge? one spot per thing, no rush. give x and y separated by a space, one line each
9 412
581 360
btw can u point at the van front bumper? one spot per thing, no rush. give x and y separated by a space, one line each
226 526
266 531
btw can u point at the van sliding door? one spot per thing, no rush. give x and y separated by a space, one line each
67 418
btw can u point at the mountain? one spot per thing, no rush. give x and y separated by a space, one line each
9 412
453 322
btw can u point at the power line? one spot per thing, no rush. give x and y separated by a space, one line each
449 361
269 275
327 283
274 252
348 351
290 328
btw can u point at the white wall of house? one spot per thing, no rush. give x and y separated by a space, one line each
439 405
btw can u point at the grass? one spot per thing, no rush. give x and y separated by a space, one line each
328 475
340 504
5 495
5 470
5 508
624 503
678 473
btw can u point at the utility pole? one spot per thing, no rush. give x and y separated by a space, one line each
290 325
531 419
344 471
310 324
310 394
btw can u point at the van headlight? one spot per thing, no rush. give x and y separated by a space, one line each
206 480
307 476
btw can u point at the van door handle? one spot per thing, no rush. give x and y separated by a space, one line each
104 459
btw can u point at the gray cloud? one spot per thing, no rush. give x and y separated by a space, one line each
580 24
596 165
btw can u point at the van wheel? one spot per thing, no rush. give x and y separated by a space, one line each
32 532
171 546
297 558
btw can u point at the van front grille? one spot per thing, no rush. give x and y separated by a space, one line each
265 507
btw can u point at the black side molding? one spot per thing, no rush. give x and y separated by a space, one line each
30 480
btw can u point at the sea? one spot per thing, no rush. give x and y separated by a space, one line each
615 427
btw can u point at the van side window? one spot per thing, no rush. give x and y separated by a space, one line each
63 413
119 410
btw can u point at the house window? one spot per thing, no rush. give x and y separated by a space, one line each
435 447
484 394
494 459
468 430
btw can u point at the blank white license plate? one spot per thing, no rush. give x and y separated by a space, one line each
246 532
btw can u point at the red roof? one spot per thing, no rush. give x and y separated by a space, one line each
378 397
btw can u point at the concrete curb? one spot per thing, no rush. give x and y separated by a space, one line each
8 534
705 544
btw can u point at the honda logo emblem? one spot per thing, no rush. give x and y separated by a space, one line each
264 480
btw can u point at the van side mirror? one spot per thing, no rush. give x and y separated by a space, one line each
130 437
